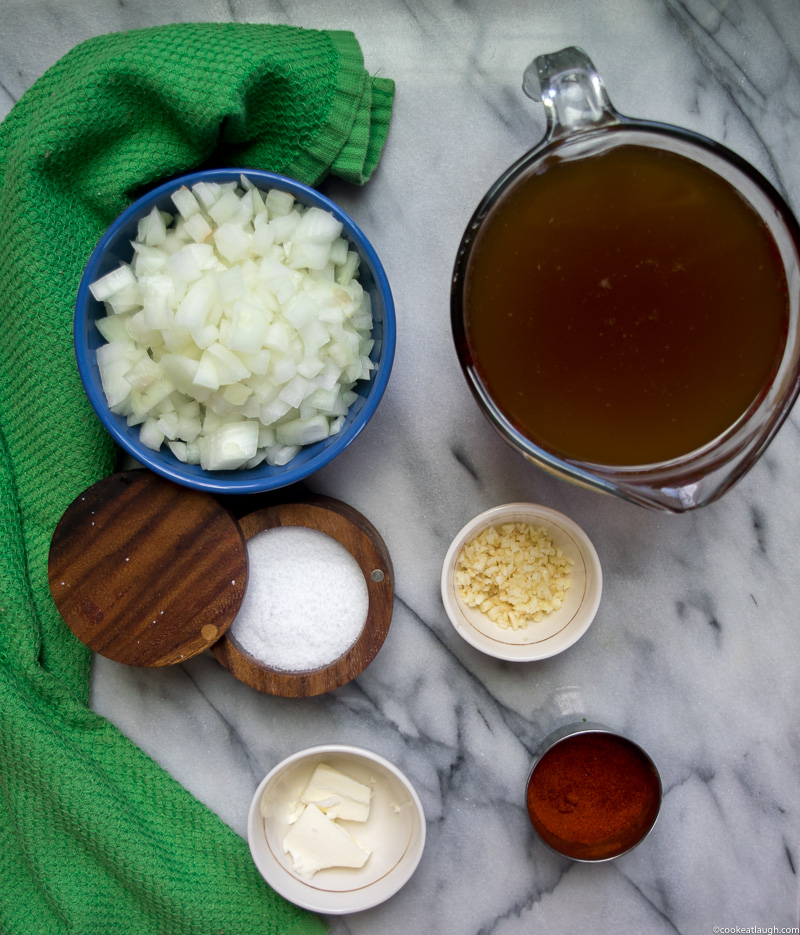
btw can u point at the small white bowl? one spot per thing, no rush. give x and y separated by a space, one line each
560 628
394 831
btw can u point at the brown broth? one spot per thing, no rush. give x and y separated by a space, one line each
625 308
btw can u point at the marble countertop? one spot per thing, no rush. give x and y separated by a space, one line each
694 651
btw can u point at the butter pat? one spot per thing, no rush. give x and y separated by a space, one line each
337 795
317 843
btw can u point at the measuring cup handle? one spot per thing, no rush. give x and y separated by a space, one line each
571 90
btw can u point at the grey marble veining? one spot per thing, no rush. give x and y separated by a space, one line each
694 651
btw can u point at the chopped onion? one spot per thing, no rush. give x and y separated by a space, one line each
237 332
112 282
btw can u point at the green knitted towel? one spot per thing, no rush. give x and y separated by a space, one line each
94 836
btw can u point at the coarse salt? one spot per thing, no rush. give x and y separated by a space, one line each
306 600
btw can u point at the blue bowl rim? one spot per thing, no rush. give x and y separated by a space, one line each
232 482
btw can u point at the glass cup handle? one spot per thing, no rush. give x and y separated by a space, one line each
571 90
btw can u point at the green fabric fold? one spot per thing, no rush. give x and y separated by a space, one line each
94 836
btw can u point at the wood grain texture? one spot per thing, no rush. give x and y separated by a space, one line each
363 541
147 572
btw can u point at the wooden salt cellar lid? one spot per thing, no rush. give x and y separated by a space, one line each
146 572
365 544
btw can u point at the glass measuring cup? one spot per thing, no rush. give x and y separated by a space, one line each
581 123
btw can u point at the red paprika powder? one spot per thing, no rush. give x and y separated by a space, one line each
593 795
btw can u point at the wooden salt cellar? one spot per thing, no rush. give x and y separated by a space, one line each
365 544
149 573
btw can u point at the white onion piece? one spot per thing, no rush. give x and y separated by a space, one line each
238 331
206 193
151 435
112 282
317 227
229 446
303 431
155 229
198 228
114 328
278 203
224 208
185 202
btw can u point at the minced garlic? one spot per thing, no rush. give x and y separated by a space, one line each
514 574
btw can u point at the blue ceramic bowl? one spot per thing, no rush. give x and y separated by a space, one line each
115 248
